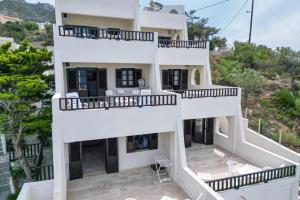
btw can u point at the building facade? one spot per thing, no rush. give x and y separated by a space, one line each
126 91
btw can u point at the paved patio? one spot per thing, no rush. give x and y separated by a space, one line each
140 184
212 160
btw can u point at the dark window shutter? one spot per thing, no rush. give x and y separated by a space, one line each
138 75
118 78
130 144
72 80
171 78
153 140
165 80
184 79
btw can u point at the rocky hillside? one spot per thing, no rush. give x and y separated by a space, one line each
40 12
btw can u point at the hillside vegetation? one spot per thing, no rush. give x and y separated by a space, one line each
40 12
271 88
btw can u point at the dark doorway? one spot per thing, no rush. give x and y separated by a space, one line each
175 79
87 81
95 156
199 131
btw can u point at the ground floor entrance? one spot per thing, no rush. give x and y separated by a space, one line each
93 157
198 131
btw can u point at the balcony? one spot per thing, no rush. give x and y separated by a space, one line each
104 45
210 102
178 52
103 117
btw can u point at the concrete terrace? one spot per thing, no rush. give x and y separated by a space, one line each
140 184
212 159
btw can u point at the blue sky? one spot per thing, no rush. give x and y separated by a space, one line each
276 22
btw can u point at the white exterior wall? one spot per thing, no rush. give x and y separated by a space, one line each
111 73
112 8
144 157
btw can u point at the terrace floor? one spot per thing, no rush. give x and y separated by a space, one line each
139 184
212 160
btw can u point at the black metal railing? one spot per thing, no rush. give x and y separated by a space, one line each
265 176
200 93
43 173
28 150
165 43
110 33
108 102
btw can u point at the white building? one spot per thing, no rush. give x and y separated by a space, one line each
103 49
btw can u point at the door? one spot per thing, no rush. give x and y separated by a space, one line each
209 131
187 131
102 82
198 131
112 155
75 164
92 85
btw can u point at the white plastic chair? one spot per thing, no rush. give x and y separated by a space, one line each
231 164
74 101
163 165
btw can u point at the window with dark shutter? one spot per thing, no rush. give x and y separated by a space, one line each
72 80
165 80
153 141
142 142
118 78
128 77
184 79
138 75
130 144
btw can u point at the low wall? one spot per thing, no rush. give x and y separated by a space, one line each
37 191
283 189
270 145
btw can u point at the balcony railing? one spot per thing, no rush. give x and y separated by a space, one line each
201 93
28 150
265 176
110 33
165 43
108 102
43 173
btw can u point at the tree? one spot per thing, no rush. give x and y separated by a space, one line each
24 94
31 26
15 30
291 60
250 80
197 27
217 42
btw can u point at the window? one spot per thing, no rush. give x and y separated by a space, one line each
175 79
142 142
128 77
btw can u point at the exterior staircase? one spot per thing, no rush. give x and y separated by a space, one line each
4 175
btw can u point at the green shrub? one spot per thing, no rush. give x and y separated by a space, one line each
287 138
285 98
13 196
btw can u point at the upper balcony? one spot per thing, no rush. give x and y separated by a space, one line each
209 102
178 52
90 118
104 45
125 9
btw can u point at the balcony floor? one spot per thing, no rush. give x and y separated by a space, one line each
140 184
212 160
